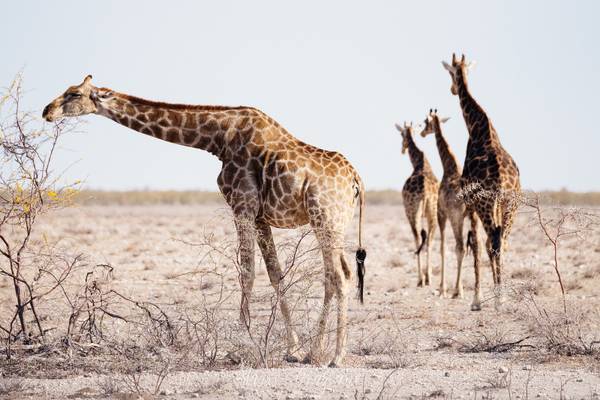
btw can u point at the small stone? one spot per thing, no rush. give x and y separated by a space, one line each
527 368
195 395
579 380
446 374
165 392
503 370
367 391
538 395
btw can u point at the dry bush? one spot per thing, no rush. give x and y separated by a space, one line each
559 224
492 341
29 188
569 335
261 341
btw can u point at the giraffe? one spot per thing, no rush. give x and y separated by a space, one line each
449 205
419 194
269 179
490 179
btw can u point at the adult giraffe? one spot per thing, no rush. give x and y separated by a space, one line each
269 178
450 206
490 179
420 197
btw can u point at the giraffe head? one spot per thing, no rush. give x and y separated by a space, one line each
432 123
406 132
457 70
76 100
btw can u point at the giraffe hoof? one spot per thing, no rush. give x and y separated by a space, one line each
333 364
442 293
420 284
475 307
458 295
291 359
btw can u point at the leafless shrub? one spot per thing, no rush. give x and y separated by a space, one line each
575 334
494 341
29 188
264 342
562 223
108 386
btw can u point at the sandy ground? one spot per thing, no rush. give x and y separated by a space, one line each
404 342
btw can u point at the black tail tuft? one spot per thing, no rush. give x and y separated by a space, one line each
423 240
497 239
470 242
361 255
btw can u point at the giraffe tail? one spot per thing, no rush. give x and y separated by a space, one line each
361 253
423 240
497 240
470 242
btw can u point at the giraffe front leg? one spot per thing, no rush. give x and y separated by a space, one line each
457 227
246 237
269 252
431 222
476 304
442 224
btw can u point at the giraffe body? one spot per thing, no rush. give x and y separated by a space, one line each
269 179
490 180
450 205
420 195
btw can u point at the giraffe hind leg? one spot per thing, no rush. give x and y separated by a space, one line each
442 224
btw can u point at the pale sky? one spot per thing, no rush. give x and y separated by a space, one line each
336 74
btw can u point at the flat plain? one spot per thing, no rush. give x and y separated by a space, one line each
165 304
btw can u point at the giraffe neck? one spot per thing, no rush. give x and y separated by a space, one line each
417 158
202 127
478 124
446 155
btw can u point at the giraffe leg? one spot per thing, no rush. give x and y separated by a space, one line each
246 236
316 351
341 291
490 253
431 217
413 213
457 222
269 252
442 223
474 243
493 228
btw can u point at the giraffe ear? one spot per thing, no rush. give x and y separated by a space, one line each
471 64
399 128
444 120
448 67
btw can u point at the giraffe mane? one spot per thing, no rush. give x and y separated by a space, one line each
172 106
